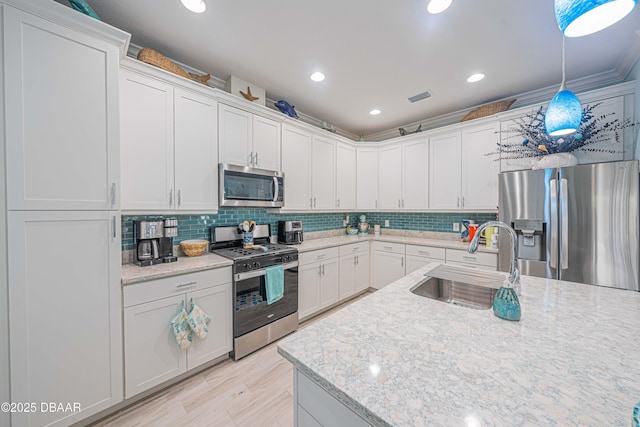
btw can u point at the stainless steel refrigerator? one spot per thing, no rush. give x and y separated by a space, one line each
577 223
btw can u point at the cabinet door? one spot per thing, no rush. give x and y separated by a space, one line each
196 153
266 143
367 178
347 276
329 283
479 171
415 262
296 165
235 135
390 177
363 275
444 172
308 289
151 354
323 167
61 130
509 136
146 134
387 268
65 312
345 177
216 302
415 175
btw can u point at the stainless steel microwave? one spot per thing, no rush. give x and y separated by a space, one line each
242 186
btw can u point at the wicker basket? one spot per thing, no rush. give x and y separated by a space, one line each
193 247
152 57
488 109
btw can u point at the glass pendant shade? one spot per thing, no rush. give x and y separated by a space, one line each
195 6
582 17
564 114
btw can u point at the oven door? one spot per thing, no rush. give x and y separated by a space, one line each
250 187
251 310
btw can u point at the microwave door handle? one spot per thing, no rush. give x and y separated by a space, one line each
276 189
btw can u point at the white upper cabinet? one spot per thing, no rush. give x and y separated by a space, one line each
479 171
247 139
367 178
461 175
323 169
266 143
345 176
196 154
390 177
61 93
169 150
146 132
296 165
444 171
415 174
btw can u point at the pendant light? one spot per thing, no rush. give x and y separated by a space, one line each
564 112
578 18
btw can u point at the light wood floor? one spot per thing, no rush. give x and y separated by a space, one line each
254 391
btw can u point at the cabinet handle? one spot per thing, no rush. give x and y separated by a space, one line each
376 204
355 260
387 248
424 253
402 261
314 202
338 203
320 256
184 285
319 270
358 260
469 257
170 198
398 202
255 162
403 203
251 159
458 202
462 202
113 226
113 194
311 202
179 197
323 269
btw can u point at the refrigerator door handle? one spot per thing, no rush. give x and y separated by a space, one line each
553 219
564 223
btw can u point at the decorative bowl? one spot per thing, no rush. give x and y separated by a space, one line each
352 231
194 247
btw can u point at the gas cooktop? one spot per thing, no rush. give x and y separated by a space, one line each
238 253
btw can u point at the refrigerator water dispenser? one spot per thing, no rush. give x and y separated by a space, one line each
532 239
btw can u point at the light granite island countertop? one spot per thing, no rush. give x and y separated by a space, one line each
395 358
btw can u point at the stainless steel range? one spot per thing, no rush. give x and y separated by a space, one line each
256 323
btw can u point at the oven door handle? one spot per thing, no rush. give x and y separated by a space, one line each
263 271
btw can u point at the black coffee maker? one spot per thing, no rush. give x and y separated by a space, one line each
147 235
290 232
166 241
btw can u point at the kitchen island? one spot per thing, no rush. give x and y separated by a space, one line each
395 358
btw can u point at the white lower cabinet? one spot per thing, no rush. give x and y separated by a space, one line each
388 263
482 260
318 283
354 269
151 353
65 313
419 256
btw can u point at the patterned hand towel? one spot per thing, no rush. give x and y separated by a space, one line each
180 328
198 321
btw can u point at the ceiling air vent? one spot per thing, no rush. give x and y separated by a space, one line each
424 95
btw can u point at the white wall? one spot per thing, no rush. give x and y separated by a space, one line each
4 305
635 75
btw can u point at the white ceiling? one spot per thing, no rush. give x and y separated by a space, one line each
376 53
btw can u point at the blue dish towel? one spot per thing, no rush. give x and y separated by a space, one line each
274 282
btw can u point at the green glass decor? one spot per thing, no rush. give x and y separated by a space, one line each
506 304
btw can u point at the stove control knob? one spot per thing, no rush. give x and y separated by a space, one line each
246 267
256 264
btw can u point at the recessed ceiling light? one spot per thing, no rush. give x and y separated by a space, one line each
375 112
438 6
195 6
475 77
317 76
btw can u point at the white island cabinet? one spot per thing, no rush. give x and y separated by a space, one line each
151 353
60 138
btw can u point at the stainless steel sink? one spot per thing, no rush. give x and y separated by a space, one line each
467 288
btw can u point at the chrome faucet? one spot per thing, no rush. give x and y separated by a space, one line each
514 274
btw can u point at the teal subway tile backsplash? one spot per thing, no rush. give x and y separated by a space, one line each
197 226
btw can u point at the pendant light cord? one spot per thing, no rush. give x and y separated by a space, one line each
562 85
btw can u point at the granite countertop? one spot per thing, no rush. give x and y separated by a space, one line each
404 360
327 242
132 273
